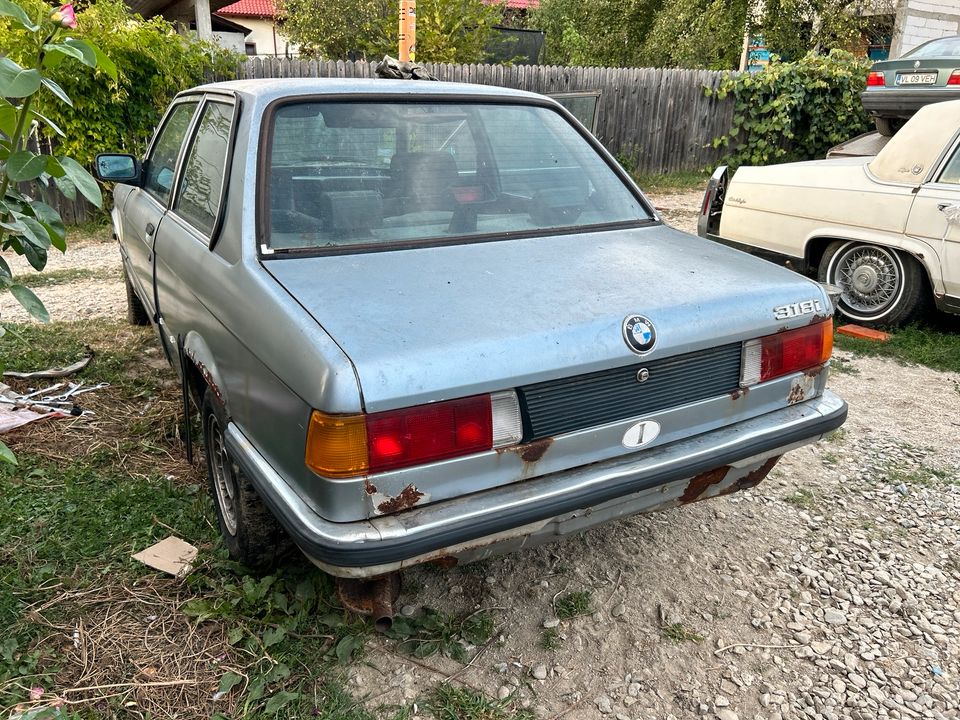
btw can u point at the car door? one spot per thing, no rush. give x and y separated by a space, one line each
185 265
935 217
145 206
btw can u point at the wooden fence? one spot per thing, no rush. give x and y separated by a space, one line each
653 120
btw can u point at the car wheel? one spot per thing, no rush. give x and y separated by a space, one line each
880 285
136 312
885 126
250 532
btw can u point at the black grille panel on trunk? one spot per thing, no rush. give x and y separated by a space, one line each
575 403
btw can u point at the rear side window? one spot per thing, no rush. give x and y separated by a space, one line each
201 189
951 173
367 174
162 162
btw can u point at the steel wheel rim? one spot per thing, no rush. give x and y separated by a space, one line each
224 480
870 277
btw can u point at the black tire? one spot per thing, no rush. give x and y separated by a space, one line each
136 312
250 532
886 126
882 287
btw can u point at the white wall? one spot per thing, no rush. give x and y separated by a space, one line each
922 20
229 40
269 41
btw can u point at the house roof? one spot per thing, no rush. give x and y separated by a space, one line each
250 8
266 8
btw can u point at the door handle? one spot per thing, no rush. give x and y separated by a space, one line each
151 229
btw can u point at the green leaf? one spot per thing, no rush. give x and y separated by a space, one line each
31 303
56 90
36 256
18 15
83 180
273 635
66 186
63 49
228 682
8 119
88 55
104 63
279 700
54 169
6 454
52 223
346 647
33 231
15 82
23 165
5 272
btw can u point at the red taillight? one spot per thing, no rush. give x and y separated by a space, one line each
954 78
707 201
787 352
876 79
427 433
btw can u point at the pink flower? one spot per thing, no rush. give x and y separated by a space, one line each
65 16
36 693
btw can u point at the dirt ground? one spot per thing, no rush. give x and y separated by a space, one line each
831 590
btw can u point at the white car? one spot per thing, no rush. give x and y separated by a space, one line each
884 229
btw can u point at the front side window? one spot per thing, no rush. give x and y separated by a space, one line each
951 173
201 188
380 173
162 163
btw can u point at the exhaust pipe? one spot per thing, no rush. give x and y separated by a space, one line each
373 598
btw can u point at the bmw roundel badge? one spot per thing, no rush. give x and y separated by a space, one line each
639 334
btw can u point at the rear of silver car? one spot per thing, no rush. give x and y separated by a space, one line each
534 352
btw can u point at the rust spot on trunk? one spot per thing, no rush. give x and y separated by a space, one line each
368 487
818 319
699 484
739 393
407 498
532 452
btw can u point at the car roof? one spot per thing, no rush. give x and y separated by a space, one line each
914 150
266 90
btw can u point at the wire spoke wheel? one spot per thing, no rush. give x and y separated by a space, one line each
870 277
224 476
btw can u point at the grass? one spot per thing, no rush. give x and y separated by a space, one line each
67 275
573 604
922 477
936 345
78 611
680 181
677 633
801 497
446 702
550 639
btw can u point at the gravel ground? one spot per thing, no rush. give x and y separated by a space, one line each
831 590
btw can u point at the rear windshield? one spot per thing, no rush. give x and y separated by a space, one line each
944 47
369 174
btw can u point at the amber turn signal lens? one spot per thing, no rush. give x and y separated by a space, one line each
337 445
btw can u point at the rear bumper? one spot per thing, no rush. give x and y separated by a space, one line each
586 495
904 102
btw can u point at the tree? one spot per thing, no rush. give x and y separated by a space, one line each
447 30
28 225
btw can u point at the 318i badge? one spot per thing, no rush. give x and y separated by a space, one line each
639 334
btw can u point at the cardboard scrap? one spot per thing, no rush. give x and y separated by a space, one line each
171 555
11 418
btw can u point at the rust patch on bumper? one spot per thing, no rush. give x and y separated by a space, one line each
407 498
796 394
368 487
814 371
699 484
752 478
739 393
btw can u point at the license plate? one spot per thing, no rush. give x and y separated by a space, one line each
916 78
